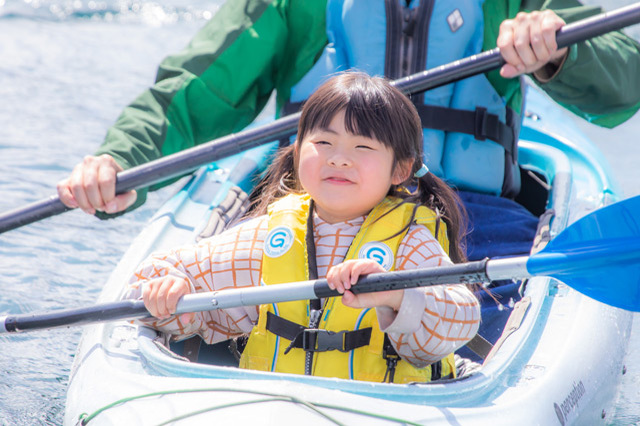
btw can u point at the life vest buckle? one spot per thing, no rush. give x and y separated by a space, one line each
318 340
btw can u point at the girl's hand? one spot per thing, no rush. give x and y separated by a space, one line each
92 186
528 42
161 297
345 275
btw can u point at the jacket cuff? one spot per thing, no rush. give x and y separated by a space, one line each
550 71
408 318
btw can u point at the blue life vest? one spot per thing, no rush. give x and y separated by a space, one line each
469 135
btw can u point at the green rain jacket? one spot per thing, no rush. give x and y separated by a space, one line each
220 82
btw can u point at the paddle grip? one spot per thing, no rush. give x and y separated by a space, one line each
31 213
65 317
463 273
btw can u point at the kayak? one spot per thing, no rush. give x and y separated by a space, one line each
554 358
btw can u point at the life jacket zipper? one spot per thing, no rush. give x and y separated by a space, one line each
407 39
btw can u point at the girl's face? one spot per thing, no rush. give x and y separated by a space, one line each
346 175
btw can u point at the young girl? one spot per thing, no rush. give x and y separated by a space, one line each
335 204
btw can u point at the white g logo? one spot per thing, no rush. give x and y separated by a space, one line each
278 242
379 252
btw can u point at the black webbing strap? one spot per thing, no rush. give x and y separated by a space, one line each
283 327
391 356
479 123
315 340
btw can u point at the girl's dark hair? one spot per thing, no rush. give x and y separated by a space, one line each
375 109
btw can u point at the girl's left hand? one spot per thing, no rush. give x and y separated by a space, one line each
345 275
528 42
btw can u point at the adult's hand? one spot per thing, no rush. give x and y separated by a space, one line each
92 186
528 42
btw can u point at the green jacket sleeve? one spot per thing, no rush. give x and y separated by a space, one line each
598 81
219 83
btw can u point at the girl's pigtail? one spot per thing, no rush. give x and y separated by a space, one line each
279 180
443 200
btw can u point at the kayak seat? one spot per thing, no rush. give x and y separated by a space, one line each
216 354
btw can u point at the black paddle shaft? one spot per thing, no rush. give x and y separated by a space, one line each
463 273
130 309
188 160
466 273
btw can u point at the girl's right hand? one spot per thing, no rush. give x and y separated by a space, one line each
161 297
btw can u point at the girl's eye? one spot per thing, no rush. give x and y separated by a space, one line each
322 142
364 147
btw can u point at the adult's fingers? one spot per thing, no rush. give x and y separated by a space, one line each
513 64
90 183
522 39
91 186
121 202
65 195
549 26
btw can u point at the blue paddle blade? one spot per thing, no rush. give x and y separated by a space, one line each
598 255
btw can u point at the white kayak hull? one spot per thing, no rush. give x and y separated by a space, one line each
560 364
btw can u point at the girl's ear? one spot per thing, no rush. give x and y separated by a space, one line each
402 172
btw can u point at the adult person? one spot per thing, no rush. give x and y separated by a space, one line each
222 80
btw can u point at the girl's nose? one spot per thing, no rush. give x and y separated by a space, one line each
338 159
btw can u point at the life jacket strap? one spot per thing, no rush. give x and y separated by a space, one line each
391 357
479 123
317 340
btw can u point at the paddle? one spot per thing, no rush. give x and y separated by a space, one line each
189 160
599 256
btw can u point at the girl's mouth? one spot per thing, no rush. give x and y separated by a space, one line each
338 180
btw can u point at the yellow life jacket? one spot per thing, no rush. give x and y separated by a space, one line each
285 259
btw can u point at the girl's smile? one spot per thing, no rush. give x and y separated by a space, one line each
345 174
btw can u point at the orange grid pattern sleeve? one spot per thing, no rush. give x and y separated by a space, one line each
232 259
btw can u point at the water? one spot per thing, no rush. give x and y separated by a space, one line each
67 68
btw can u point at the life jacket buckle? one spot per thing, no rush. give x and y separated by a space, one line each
480 124
318 340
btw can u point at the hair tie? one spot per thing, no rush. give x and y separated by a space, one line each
423 171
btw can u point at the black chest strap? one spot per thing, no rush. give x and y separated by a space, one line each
478 123
317 340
